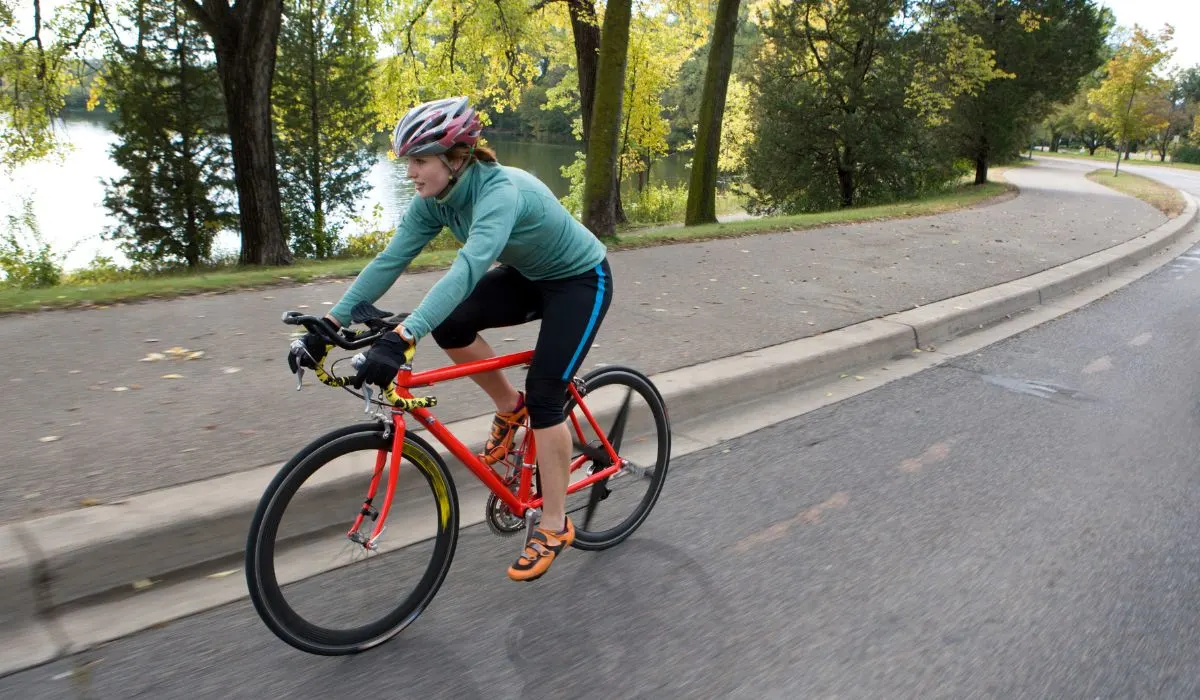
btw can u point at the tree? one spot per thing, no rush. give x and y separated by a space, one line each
1179 105
849 100
1058 125
600 189
174 195
660 43
488 49
36 75
1124 102
324 118
1047 46
702 189
1078 113
736 128
244 34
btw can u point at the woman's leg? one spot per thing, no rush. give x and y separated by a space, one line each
503 297
494 383
573 310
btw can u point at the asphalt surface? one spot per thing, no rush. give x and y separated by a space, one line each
1017 523
114 426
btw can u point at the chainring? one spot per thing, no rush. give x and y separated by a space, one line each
500 519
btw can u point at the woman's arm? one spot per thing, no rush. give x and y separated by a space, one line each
495 215
419 226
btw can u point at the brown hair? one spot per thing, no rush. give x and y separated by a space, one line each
462 150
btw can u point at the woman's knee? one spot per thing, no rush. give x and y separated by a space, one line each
454 333
546 399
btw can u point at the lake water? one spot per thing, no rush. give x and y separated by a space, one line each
68 195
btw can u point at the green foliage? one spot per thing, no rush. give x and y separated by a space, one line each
26 260
837 122
1186 154
37 73
1129 102
371 243
100 270
737 127
488 49
657 204
684 94
366 245
324 119
659 44
1047 46
574 174
175 195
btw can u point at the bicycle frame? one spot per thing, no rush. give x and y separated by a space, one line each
520 502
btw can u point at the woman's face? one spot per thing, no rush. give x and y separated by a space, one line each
429 174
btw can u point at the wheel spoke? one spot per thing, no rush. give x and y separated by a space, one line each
617 433
595 495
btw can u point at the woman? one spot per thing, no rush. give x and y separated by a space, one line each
552 268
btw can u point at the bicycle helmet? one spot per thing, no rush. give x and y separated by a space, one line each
433 128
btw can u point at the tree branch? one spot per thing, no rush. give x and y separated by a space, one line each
412 23
203 15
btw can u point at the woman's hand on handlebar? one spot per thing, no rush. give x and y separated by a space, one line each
310 350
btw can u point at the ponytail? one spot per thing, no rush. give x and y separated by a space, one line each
482 154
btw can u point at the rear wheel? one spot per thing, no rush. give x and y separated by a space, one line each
311 578
629 409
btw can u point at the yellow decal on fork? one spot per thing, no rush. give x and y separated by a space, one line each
425 463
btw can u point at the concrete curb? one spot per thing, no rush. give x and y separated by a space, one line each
67 558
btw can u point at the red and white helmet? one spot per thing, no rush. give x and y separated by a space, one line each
435 127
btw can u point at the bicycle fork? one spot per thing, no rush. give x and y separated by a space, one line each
379 517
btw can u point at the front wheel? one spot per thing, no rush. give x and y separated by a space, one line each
631 412
312 579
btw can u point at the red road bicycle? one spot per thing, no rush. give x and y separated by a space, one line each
340 493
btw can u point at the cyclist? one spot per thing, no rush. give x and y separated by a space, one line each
552 268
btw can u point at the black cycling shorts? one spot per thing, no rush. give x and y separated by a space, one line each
571 310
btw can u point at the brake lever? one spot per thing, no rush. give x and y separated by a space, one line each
297 348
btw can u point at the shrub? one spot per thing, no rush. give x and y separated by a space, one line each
25 258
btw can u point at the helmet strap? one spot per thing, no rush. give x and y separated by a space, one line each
454 174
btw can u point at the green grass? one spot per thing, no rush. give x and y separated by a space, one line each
1158 195
937 204
1107 156
234 279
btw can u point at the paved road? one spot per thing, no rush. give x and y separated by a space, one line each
1018 523
236 408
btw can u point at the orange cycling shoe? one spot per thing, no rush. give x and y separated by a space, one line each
504 431
540 552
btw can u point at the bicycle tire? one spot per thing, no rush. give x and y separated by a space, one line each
266 592
636 382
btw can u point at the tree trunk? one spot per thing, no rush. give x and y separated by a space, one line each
244 38
981 152
586 31
191 226
314 135
1055 139
702 189
846 186
600 191
1120 150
